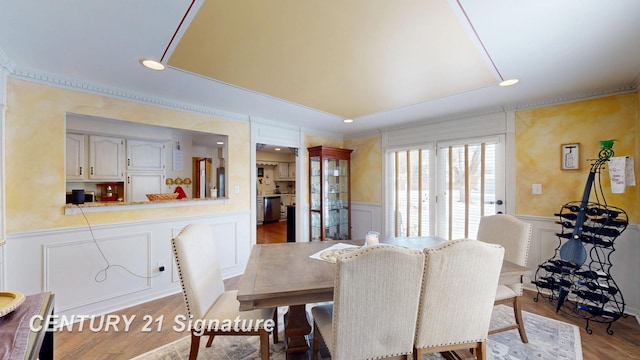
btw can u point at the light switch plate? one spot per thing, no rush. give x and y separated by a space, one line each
236 189
536 189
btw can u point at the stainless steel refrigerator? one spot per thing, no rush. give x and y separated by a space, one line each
220 182
271 209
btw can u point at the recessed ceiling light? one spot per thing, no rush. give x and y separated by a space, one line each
220 142
509 82
347 121
277 149
152 64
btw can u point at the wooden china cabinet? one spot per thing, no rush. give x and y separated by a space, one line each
330 193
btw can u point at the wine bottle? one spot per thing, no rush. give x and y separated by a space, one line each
593 296
605 231
544 284
562 263
596 241
597 311
572 208
590 274
551 268
558 282
602 211
568 216
565 235
611 222
591 285
565 224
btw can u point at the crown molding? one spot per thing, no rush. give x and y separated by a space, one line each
592 94
6 63
99 89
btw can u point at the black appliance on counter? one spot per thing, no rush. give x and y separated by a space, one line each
271 209
89 196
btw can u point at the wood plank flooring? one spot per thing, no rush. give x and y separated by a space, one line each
272 233
623 344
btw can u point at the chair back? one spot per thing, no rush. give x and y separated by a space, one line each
375 305
200 275
513 234
458 291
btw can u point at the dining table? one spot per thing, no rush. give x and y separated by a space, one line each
292 275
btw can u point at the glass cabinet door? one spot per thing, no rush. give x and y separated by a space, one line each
329 189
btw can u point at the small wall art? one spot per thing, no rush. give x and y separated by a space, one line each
570 156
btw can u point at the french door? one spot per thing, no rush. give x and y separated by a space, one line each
470 184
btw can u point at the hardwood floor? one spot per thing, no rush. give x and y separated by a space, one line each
272 233
119 345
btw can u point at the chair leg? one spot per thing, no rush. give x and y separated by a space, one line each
517 312
316 341
210 341
264 344
195 345
481 351
275 329
417 354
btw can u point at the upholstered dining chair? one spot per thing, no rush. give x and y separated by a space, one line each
375 305
515 236
458 290
205 296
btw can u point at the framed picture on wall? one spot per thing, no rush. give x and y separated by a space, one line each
570 156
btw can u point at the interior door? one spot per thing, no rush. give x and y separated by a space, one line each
471 184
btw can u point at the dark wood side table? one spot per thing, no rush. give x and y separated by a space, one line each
26 332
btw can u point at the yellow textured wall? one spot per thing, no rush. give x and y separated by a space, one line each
366 164
539 135
35 154
366 169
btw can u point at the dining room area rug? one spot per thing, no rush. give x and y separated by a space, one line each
548 339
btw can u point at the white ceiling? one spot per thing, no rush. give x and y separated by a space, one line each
560 50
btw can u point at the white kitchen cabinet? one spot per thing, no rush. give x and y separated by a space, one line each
94 158
139 184
292 171
283 171
260 217
76 157
286 171
106 158
145 155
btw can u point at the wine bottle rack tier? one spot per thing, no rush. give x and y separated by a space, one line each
587 291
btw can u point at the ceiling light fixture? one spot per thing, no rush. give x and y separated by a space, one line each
347 121
220 142
508 82
152 64
277 149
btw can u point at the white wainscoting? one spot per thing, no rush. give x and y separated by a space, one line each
624 271
365 217
68 262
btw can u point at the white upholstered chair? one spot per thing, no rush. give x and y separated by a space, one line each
458 290
375 305
204 293
515 236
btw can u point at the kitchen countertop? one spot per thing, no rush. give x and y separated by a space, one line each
102 206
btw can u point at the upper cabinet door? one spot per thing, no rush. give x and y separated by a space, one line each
76 157
145 155
106 158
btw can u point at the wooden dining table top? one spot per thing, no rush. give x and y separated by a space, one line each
284 274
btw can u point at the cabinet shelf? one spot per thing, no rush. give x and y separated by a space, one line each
330 193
